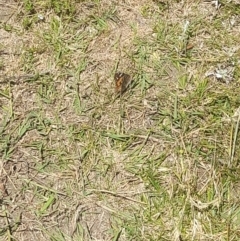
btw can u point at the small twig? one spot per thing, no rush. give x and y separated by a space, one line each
234 140
116 195
27 76
148 138
43 187
7 224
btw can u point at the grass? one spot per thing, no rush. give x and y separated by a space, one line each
160 162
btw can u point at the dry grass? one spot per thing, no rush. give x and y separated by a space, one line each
160 162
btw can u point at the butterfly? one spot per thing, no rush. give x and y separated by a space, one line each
122 82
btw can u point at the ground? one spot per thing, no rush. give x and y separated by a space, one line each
80 161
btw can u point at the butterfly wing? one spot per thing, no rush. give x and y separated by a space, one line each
122 81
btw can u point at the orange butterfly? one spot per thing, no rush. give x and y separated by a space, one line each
122 81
